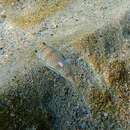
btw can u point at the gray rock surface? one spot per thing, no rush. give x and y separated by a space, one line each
38 94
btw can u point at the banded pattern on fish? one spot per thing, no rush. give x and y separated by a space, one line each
53 59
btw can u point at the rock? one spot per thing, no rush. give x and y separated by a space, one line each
50 103
93 36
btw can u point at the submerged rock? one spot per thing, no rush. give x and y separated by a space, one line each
79 79
50 103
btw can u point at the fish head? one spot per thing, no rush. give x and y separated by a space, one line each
39 55
40 51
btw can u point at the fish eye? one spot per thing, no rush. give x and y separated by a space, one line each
35 51
43 43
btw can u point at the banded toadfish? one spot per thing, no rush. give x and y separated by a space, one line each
54 60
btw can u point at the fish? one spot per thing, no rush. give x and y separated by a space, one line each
54 60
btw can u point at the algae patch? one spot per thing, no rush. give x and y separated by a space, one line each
42 10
